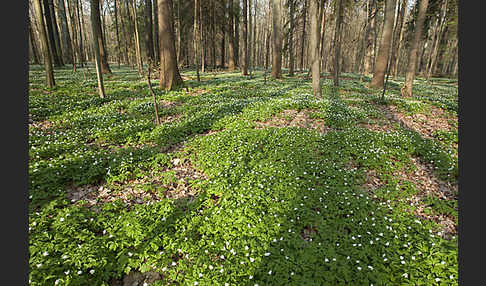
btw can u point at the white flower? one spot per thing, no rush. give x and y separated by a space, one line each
251 277
270 272
45 253
92 271
405 275
437 279
359 268
130 254
80 272
61 219
267 254
210 267
251 259
195 283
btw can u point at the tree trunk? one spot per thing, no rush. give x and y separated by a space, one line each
196 38
213 35
50 34
439 32
304 17
138 50
35 52
370 38
74 33
65 37
80 30
337 42
44 45
96 29
250 38
105 68
412 57
323 31
276 41
155 32
57 37
291 37
381 63
401 31
244 51
231 36
149 39
314 47
169 72
117 35
223 32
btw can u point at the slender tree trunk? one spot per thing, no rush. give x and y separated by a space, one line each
213 35
156 32
400 31
50 34
149 39
236 34
118 44
44 45
314 47
231 40
96 29
105 68
138 50
57 38
65 37
223 32
35 51
378 79
202 38
196 38
412 57
323 33
291 37
169 72
74 32
439 32
244 51
276 41
250 39
254 43
80 30
370 38
304 17
337 42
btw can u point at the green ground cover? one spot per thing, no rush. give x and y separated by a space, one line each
276 205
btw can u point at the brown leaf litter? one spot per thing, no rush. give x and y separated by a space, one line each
294 118
151 188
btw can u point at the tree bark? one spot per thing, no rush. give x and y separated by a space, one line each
35 51
401 31
406 89
244 30
439 32
314 46
169 72
337 42
381 63
304 18
105 68
276 41
96 29
370 38
50 82
231 36
82 55
50 34
156 32
65 37
196 38
291 37
138 50
149 39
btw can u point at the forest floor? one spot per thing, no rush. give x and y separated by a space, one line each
243 183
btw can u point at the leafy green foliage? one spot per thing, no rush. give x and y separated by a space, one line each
280 206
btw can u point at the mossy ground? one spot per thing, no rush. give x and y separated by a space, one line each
243 183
